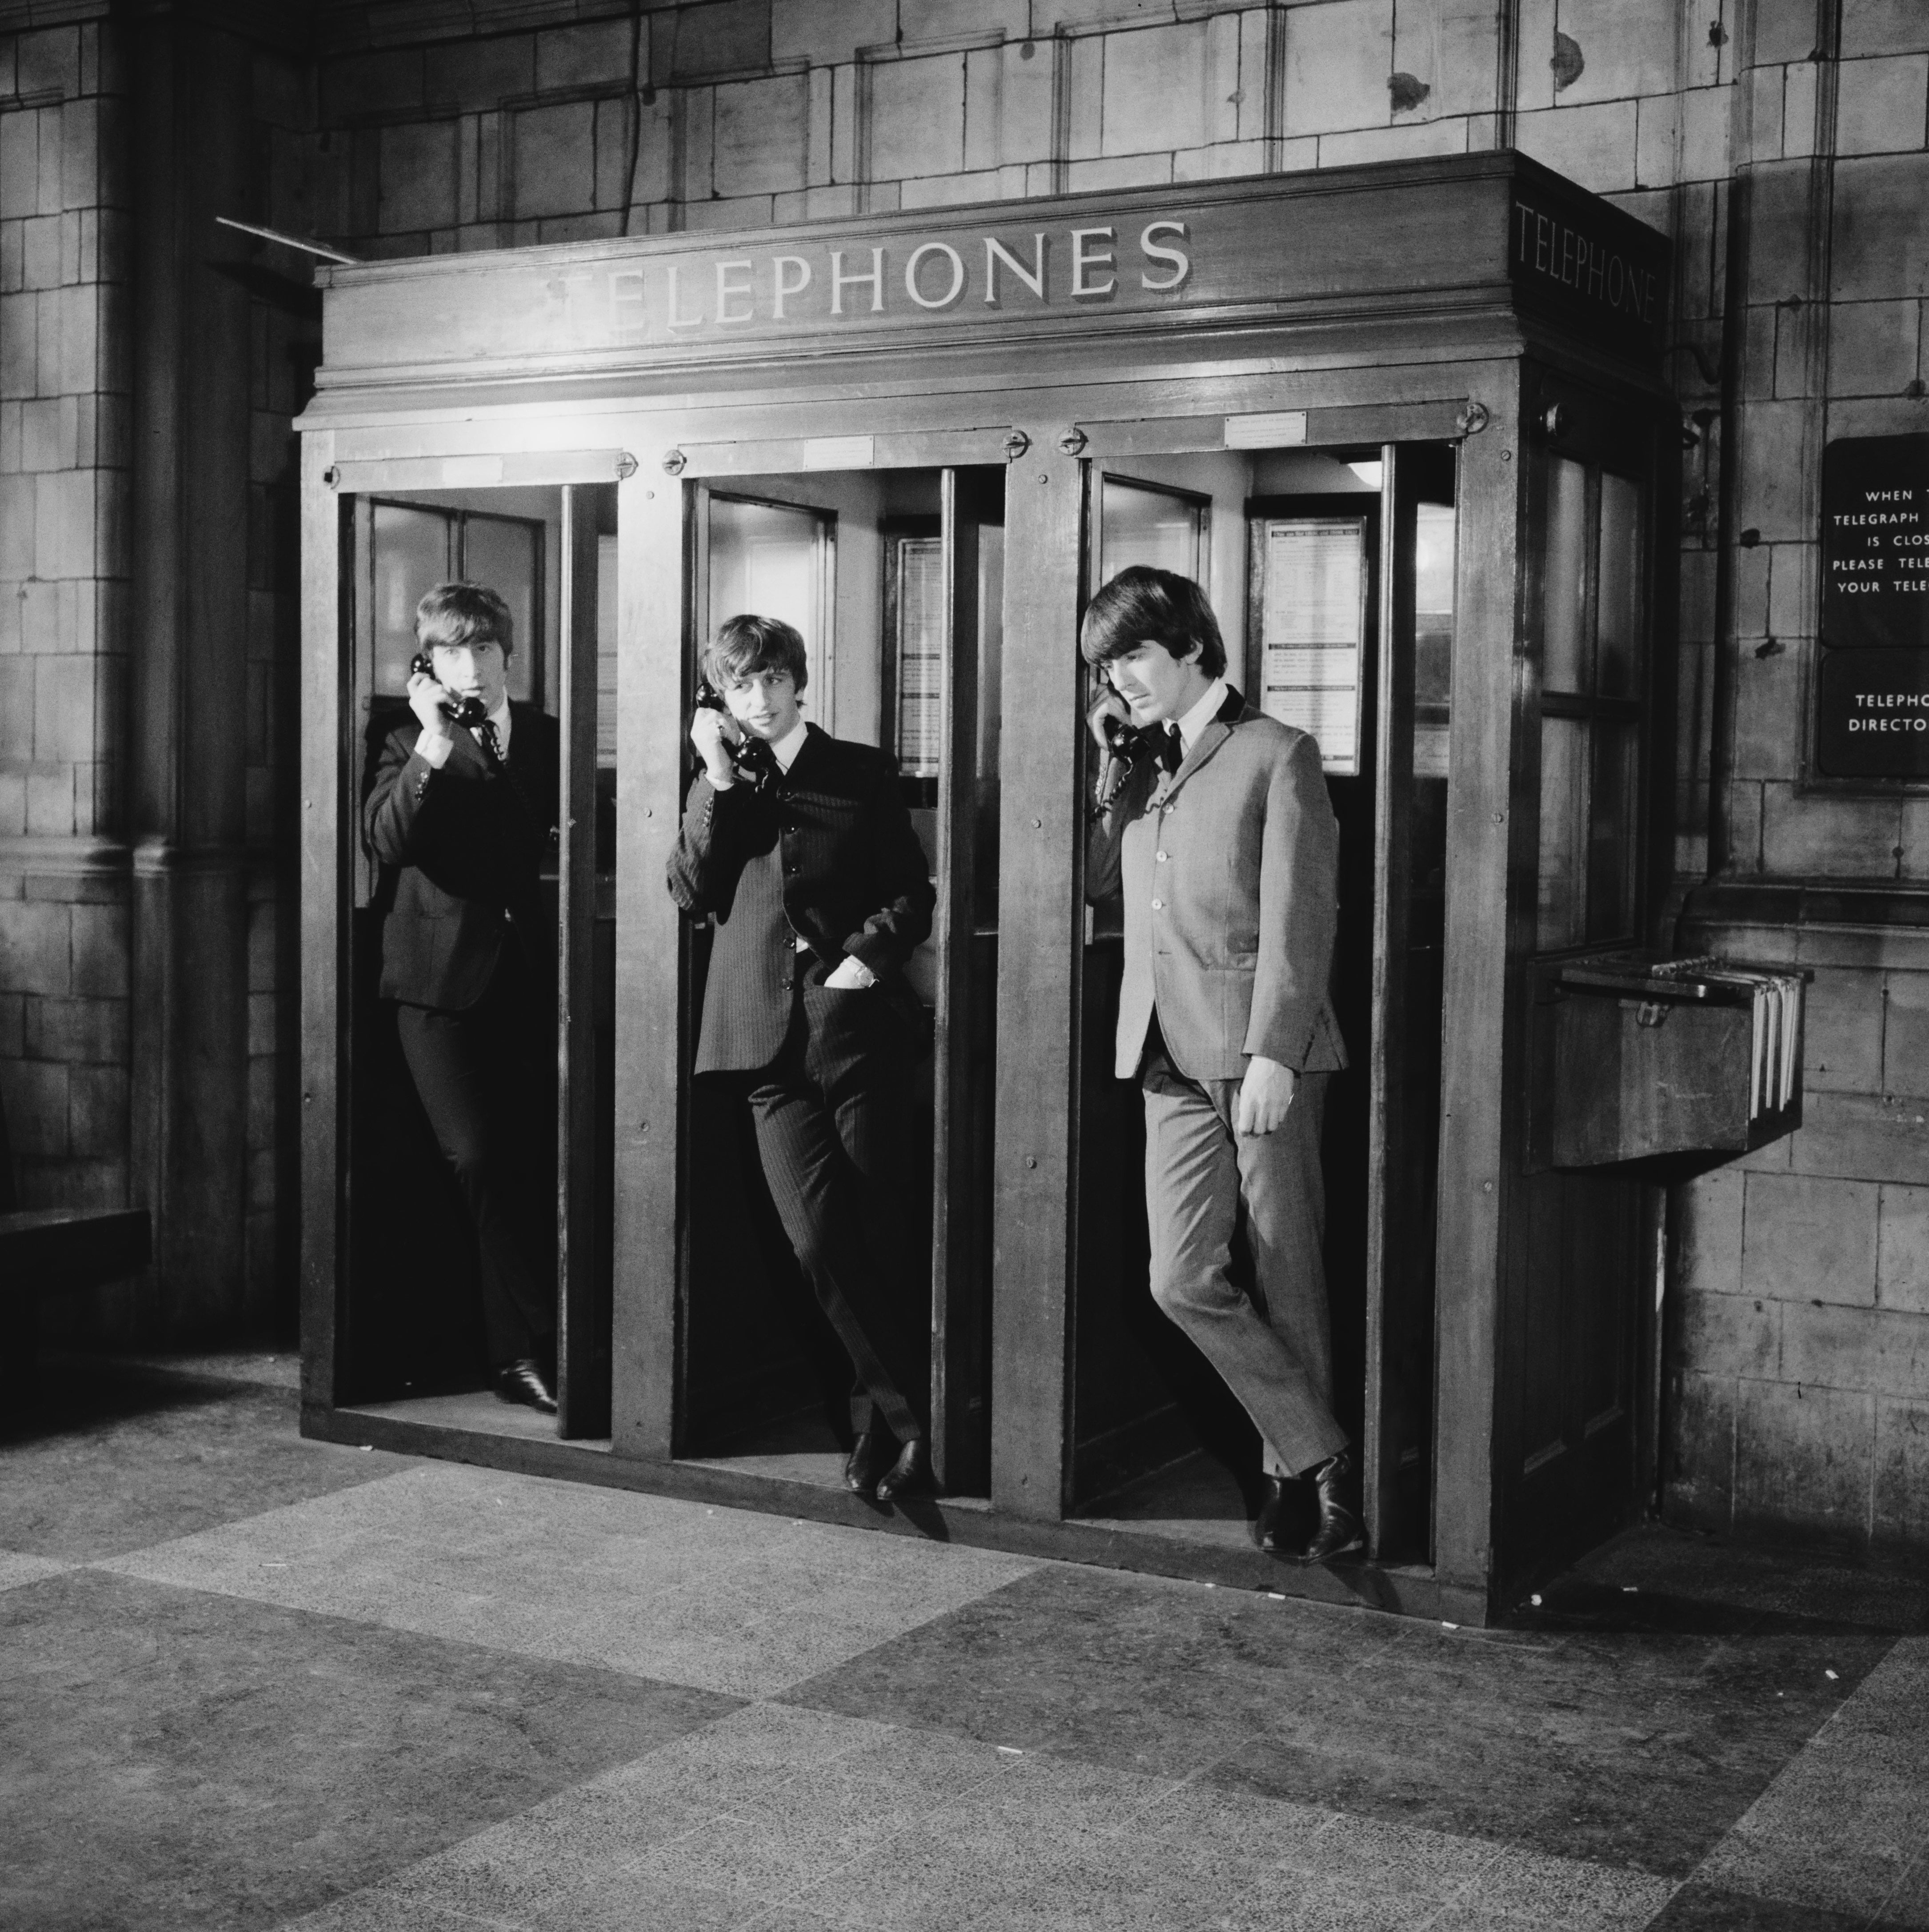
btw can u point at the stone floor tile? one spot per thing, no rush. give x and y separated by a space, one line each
1210 1817
1652 1559
1842 1823
16 1569
797 1919
725 1599
379 1909
177 1759
642 1904
756 1750
1906 1908
1325 1907
1128 1886
1640 1751
113 1459
1571 1893
938 1876
1697 1907
1396 1858
1123 1670
577 1848
769 1860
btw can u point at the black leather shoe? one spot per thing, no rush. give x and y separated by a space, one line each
867 1460
1340 1531
1287 1517
523 1381
909 1475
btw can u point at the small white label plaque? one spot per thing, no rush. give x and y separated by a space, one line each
1265 432
837 452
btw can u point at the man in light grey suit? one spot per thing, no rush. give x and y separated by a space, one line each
1213 820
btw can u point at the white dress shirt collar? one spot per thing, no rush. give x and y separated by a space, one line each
785 749
1202 715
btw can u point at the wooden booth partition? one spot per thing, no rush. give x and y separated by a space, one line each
1341 401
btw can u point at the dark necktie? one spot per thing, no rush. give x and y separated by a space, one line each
492 745
1172 750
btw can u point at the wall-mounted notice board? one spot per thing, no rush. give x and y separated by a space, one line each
1309 599
1872 682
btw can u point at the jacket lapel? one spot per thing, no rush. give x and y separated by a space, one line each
809 754
1214 735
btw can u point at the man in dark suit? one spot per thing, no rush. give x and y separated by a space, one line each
465 813
799 845
1219 832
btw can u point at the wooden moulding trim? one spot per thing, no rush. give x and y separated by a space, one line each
1310 364
1399 1590
485 470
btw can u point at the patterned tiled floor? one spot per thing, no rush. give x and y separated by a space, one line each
250 1682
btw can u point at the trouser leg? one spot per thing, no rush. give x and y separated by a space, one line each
1272 1347
471 1079
823 1133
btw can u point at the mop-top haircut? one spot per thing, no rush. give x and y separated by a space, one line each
1145 606
745 644
464 613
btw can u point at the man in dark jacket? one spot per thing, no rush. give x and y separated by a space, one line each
800 846
465 813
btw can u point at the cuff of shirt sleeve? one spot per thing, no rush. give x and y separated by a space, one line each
434 752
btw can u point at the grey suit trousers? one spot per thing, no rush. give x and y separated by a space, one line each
1273 1347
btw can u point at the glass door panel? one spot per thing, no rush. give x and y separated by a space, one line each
886 574
1302 580
415 1323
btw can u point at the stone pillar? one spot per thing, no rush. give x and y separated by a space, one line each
63 489
188 817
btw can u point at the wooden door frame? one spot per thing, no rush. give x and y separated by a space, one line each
657 1026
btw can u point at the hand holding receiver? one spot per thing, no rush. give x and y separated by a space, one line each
426 699
1265 1096
714 734
1108 720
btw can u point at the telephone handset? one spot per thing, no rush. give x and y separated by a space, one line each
1128 742
470 711
750 755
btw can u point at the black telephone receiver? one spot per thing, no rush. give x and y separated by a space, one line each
1127 741
463 710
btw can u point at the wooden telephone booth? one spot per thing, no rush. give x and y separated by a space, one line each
1407 425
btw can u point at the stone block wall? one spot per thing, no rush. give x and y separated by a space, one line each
1798 1355
64 467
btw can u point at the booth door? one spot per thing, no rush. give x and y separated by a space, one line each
894 577
1337 628
1581 1244
408 1326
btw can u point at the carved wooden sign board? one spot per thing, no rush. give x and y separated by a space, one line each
1472 233
1872 686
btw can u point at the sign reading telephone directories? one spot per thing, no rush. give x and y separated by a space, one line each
1872 685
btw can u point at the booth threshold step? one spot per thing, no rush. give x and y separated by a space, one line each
478 1429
